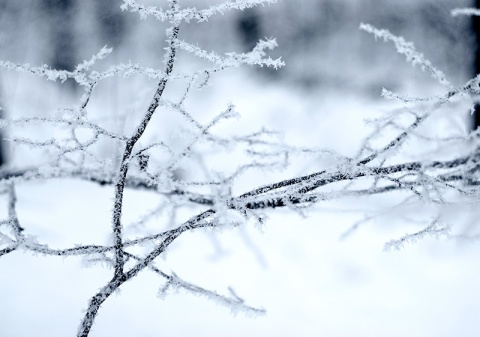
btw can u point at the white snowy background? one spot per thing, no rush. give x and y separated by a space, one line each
310 280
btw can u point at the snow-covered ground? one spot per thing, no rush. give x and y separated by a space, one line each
310 281
311 278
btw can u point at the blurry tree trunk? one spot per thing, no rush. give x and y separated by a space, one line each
59 15
111 20
248 27
112 28
249 30
476 32
3 156
3 10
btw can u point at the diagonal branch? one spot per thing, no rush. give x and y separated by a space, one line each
120 182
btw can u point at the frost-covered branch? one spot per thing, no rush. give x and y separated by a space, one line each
384 163
130 144
177 15
408 50
465 11
434 229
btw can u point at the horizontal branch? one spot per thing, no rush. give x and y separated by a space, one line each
308 182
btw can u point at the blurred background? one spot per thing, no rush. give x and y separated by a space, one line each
312 283
314 37
319 41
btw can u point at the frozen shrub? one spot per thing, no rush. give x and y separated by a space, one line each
446 175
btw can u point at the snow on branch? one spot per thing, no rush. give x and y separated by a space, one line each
408 50
465 11
434 230
41 71
233 302
79 74
177 15
87 64
234 60
384 163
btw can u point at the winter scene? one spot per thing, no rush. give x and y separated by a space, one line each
237 168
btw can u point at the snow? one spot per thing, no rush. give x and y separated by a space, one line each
311 278
310 282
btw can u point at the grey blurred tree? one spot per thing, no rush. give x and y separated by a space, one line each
434 180
249 28
112 24
59 14
476 65
4 10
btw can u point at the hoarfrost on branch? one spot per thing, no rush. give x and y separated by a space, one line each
379 167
